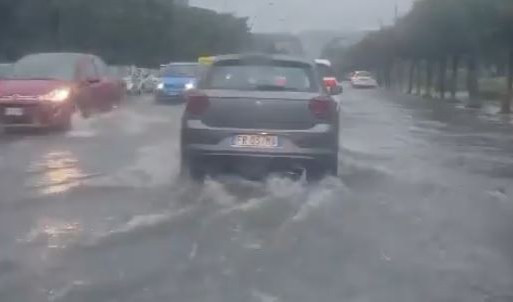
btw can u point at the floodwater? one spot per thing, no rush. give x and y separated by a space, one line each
422 211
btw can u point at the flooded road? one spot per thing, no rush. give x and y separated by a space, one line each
422 211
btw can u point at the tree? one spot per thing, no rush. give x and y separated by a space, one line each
142 32
503 36
438 33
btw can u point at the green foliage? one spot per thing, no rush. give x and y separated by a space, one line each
143 32
435 29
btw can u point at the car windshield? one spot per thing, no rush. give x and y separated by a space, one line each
180 70
325 71
256 150
51 66
5 70
363 74
278 76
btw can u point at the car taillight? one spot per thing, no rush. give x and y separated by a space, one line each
197 103
330 82
322 107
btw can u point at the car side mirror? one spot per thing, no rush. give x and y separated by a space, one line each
336 90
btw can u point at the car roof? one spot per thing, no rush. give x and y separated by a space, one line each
67 54
323 62
69 57
181 63
273 57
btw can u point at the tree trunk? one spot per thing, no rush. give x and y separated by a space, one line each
399 76
506 102
472 82
419 78
429 78
379 76
56 23
388 76
411 74
442 72
454 80
393 75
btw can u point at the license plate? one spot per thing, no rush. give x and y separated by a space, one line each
13 111
259 141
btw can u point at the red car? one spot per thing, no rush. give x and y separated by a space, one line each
328 76
44 90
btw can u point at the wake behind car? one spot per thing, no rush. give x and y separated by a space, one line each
175 79
257 114
44 89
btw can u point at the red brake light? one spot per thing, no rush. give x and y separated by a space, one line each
330 82
197 103
322 107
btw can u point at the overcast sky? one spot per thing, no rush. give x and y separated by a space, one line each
299 15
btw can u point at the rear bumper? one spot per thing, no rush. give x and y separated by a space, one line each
200 140
210 149
259 165
365 85
198 151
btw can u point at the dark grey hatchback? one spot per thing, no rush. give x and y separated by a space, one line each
253 115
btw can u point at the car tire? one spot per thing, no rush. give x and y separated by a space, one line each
192 170
85 113
67 124
108 106
333 166
323 168
64 125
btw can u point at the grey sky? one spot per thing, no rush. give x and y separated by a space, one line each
298 15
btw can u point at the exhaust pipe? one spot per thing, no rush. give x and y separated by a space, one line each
296 173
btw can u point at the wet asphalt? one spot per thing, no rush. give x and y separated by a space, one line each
422 211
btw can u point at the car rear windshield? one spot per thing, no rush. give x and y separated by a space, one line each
45 66
325 71
267 76
181 71
363 74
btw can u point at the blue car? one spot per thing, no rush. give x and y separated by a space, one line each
175 79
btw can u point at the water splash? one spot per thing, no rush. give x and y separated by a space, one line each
54 233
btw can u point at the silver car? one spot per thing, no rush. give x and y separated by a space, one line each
253 115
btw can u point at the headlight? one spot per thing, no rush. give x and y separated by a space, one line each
189 86
160 86
57 96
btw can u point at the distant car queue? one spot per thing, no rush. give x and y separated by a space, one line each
44 90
